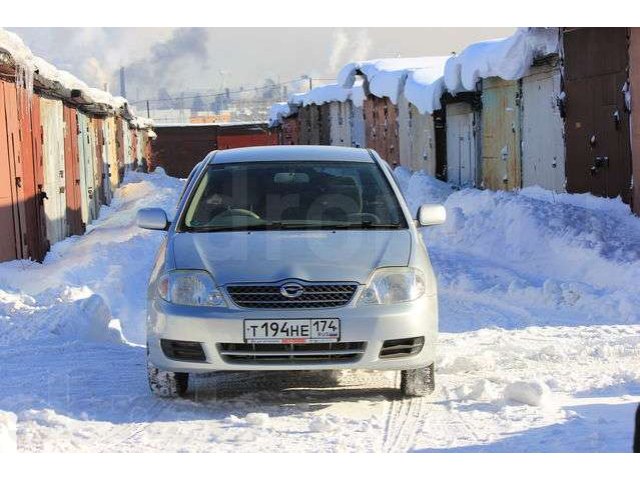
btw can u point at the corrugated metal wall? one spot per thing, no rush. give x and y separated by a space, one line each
543 152
501 149
597 121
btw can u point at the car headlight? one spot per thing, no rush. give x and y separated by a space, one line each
394 285
190 287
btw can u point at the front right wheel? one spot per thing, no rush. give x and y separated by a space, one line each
419 382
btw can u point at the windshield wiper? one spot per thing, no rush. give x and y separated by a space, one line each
298 226
363 226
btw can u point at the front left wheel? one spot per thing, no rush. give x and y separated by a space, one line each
167 384
419 382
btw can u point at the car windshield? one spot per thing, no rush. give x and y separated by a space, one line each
293 195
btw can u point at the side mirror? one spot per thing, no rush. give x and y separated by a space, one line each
152 219
431 214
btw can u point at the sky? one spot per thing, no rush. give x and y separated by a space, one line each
211 59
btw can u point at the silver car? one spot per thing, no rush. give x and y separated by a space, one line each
291 258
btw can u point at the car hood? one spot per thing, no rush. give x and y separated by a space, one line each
261 257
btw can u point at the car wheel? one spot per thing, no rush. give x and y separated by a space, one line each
167 384
419 382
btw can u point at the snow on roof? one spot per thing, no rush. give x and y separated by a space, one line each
321 95
277 112
27 64
142 122
387 75
424 86
14 45
508 58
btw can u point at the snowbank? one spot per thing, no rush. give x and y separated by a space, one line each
559 259
90 288
8 441
420 187
508 58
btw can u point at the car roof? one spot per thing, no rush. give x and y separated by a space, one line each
285 153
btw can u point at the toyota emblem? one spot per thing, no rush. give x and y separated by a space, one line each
291 290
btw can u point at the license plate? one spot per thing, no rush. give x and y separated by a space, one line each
308 330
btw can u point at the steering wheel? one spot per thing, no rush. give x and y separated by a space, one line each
232 212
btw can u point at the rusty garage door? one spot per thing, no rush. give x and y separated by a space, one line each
501 147
597 122
381 123
72 173
32 180
10 243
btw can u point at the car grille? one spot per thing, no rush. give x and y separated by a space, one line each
402 347
313 296
297 353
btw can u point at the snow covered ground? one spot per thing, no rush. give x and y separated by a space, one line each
540 350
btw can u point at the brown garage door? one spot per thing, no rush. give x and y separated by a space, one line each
597 123
72 172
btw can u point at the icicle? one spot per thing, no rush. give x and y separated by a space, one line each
626 91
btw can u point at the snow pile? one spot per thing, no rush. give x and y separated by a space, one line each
92 287
556 237
277 112
322 424
480 390
8 441
508 58
534 393
420 187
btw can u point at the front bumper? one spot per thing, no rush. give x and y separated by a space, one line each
371 324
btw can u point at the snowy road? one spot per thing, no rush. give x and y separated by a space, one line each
533 290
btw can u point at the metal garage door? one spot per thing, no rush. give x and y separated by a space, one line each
597 122
10 245
461 145
542 130
501 165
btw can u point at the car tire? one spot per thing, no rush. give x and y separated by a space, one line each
419 382
167 384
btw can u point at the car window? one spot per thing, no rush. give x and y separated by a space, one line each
293 195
